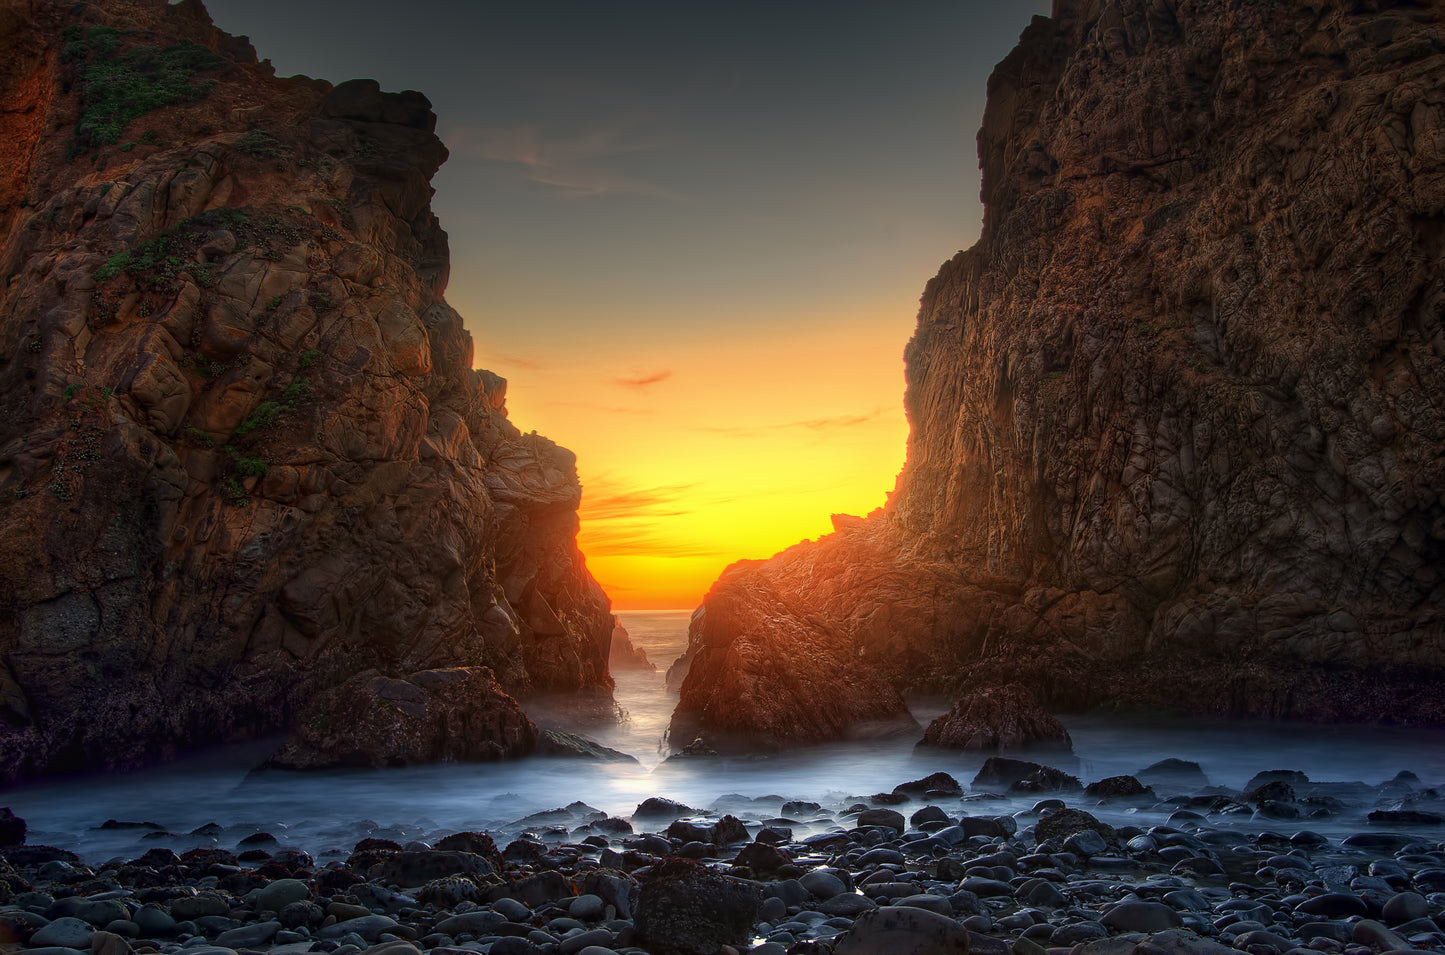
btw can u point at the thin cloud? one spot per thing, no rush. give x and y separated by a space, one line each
515 361
571 163
833 423
643 382
622 521
652 502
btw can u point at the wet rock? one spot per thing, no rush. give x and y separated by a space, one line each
12 828
939 783
889 818
1119 787
658 807
374 721
65 932
997 719
903 930
1174 775
1062 823
575 746
413 868
1141 917
687 909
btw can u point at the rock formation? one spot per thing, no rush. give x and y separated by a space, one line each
998 719
623 654
1176 427
244 454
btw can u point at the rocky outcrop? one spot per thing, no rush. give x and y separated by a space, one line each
244 454
998 719
623 655
1175 429
373 721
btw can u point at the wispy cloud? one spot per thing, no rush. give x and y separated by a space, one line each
612 503
573 162
832 423
628 521
643 382
518 361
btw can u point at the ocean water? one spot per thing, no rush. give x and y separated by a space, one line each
326 813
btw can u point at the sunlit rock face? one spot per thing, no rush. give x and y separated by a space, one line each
1177 425
244 455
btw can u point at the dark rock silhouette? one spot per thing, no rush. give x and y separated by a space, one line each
1175 440
244 454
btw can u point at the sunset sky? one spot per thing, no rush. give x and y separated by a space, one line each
691 234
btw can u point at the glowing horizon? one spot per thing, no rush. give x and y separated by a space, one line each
691 236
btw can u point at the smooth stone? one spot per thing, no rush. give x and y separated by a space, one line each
575 943
1077 933
933 903
588 908
1141 917
1247 940
601 950
108 943
249 936
1086 842
64 932
1376 936
279 894
472 923
190 908
903 930
1334 905
368 927
847 904
890 818
512 910
1405 907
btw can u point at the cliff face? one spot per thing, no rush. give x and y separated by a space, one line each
1177 418
244 456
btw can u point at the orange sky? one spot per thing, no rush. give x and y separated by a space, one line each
692 236
694 457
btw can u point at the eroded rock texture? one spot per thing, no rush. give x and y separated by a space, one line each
244 455
1177 418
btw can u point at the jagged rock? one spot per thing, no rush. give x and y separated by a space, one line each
575 746
1118 787
435 715
998 719
940 782
1062 823
623 655
1171 438
12 828
1174 775
1019 775
684 908
244 454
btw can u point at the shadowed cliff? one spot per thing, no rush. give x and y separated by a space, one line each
1176 419
246 462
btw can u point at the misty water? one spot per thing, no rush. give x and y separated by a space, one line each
327 813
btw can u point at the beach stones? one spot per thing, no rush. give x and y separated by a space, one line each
903 930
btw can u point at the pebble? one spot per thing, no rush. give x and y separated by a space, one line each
853 878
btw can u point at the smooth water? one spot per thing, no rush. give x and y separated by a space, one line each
326 813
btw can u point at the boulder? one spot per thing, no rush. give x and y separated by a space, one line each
684 908
903 930
998 719
460 714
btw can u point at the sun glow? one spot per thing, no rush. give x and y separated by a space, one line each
738 449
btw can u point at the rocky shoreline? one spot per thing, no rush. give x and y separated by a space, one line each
932 866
